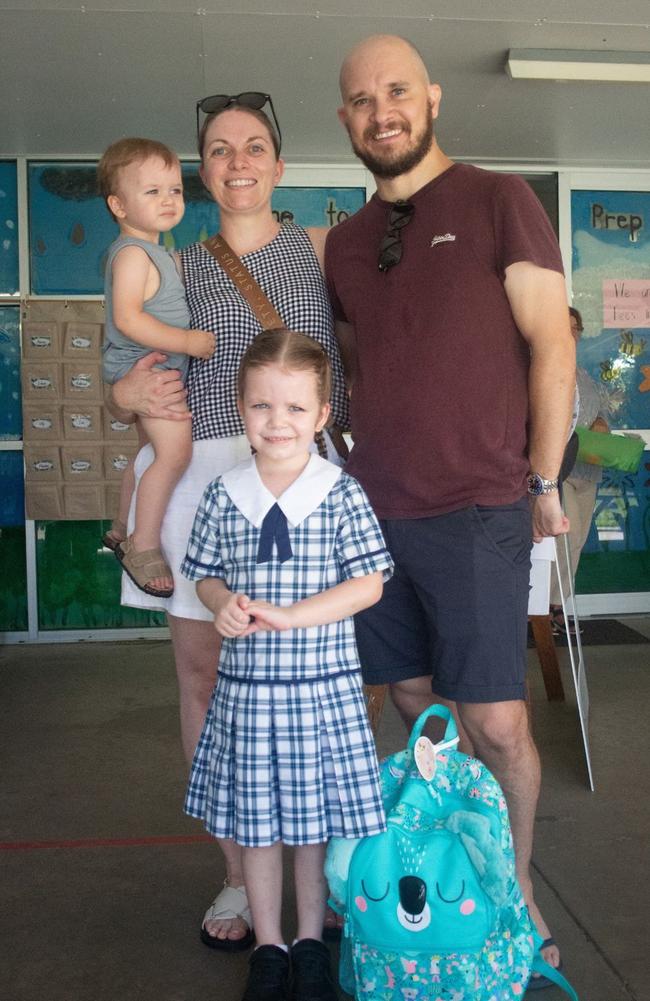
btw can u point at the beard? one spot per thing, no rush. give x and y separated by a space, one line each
394 165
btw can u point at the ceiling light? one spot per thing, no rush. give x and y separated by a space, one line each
567 64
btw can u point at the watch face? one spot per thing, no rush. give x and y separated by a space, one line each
535 484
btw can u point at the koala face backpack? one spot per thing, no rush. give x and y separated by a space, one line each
432 907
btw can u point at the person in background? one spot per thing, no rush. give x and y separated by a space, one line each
580 487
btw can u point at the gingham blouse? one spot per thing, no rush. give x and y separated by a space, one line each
334 536
287 270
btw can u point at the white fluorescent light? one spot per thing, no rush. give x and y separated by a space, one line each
566 64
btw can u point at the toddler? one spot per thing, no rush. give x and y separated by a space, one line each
140 179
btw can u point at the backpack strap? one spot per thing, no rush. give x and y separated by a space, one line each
443 712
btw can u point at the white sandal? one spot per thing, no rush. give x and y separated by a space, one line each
231 902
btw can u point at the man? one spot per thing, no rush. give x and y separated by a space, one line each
449 288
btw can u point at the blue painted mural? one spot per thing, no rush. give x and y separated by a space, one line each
11 421
611 288
70 227
8 228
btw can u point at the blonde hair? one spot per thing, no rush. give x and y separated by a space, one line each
290 350
124 152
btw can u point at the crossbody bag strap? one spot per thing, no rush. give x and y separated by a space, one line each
264 310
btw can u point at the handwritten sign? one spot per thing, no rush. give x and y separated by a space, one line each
626 302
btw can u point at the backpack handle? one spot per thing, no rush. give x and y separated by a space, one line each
443 712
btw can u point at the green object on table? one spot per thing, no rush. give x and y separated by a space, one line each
613 450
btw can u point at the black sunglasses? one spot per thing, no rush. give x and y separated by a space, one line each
390 248
253 99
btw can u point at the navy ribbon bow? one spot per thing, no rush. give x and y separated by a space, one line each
274 529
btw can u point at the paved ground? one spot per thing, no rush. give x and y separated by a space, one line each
105 881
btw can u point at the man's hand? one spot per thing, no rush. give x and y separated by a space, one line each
149 392
548 517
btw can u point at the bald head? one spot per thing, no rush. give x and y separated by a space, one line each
374 51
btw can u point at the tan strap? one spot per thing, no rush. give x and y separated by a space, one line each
264 310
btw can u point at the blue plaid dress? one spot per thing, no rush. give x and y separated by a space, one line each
286 753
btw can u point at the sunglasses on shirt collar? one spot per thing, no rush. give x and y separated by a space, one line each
390 248
253 99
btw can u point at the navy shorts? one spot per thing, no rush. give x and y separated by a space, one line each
456 607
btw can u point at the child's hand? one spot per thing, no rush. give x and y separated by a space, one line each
268 617
232 618
200 344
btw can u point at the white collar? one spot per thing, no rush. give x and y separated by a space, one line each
247 492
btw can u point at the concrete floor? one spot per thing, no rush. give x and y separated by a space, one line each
105 881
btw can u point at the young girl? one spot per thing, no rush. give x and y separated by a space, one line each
285 549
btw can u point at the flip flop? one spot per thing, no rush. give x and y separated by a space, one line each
538 982
231 902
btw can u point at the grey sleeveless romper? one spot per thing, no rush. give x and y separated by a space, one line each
119 353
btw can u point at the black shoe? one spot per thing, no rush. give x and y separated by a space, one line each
311 973
268 975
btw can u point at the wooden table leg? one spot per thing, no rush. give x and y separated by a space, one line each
543 636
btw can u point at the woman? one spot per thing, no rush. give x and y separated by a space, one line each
580 487
240 167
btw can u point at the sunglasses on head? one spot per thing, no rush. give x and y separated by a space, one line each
252 99
390 248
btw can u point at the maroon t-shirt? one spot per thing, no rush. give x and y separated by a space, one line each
440 401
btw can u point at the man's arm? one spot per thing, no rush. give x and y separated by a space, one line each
148 392
537 298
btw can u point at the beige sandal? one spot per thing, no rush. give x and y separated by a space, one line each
117 533
144 567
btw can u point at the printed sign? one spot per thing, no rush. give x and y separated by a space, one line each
626 303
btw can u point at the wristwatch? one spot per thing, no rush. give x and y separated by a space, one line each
538 485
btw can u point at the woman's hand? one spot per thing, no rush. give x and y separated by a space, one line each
200 344
146 391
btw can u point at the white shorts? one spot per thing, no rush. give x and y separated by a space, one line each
210 459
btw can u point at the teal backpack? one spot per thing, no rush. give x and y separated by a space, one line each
432 907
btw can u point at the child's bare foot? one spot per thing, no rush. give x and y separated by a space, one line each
551 953
227 921
147 569
116 534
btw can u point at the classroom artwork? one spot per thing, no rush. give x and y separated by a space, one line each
8 228
611 288
70 227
